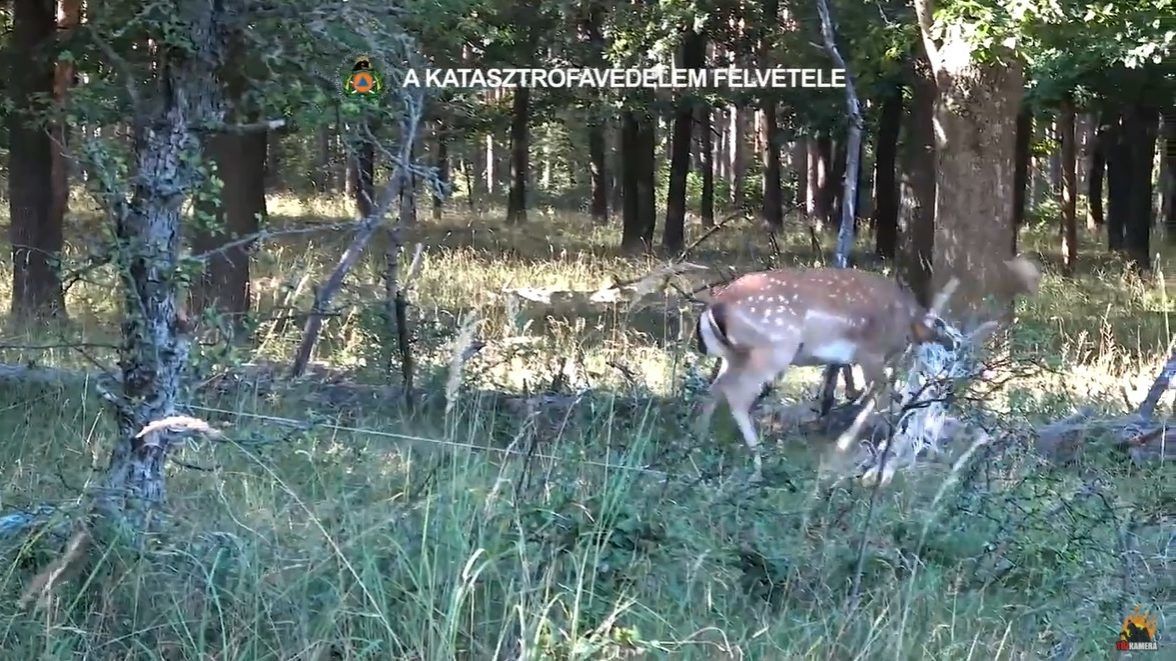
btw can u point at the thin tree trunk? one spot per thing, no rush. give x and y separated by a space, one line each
516 208
707 201
442 174
34 231
1118 165
885 169
489 169
598 174
800 172
1067 162
69 16
772 211
1169 181
361 173
693 56
738 155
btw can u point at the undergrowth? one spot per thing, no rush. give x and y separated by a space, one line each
347 526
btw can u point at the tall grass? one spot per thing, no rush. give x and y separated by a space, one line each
473 528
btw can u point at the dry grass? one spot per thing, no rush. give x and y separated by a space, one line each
403 542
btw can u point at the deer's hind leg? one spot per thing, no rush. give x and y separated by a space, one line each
740 384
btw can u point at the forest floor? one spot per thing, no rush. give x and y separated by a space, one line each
336 523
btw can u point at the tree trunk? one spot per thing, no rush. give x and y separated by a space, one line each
599 176
69 16
885 184
647 180
321 177
1068 156
442 174
155 341
917 185
361 173
637 145
1118 166
1140 128
772 211
1098 170
34 231
1022 160
800 173
693 56
1169 182
516 207
975 148
707 202
819 179
738 155
836 185
224 283
489 169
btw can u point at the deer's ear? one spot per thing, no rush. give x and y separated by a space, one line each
921 332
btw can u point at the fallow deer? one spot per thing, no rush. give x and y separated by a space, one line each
762 323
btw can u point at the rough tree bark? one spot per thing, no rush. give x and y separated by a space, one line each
975 112
772 209
917 184
155 344
520 138
1069 191
885 170
35 233
693 56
